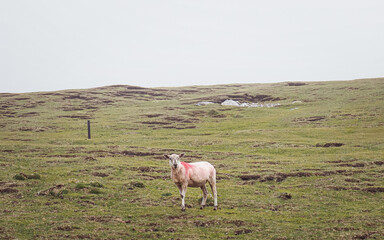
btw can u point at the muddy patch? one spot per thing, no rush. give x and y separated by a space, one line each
374 189
351 165
331 144
8 190
100 174
249 177
352 180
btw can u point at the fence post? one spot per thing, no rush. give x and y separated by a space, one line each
89 129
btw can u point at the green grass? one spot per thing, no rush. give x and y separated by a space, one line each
57 184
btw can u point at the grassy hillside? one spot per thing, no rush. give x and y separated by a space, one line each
311 168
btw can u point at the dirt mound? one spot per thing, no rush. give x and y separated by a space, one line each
285 196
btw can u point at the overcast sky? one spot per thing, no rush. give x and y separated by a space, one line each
68 44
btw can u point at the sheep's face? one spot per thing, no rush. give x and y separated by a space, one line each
174 160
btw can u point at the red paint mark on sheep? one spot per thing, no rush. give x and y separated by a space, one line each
187 166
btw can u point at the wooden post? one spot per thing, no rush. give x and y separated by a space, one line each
89 129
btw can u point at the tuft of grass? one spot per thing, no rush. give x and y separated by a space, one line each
22 176
19 177
34 176
95 191
138 184
96 184
81 186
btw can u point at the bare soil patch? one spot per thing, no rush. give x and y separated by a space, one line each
341 161
243 231
67 228
29 114
278 177
351 165
249 177
374 189
352 180
100 174
8 190
285 196
332 144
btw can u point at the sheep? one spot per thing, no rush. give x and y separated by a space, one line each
192 175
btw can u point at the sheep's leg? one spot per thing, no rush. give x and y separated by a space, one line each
181 195
212 183
205 194
183 191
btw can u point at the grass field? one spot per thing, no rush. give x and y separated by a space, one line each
310 168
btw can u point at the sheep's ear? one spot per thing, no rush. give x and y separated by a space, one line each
166 156
181 155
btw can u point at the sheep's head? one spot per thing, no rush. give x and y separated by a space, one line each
174 159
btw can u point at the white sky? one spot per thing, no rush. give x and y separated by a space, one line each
52 45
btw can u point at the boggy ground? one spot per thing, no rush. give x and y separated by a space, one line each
311 168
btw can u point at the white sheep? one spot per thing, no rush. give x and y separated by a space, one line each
192 175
